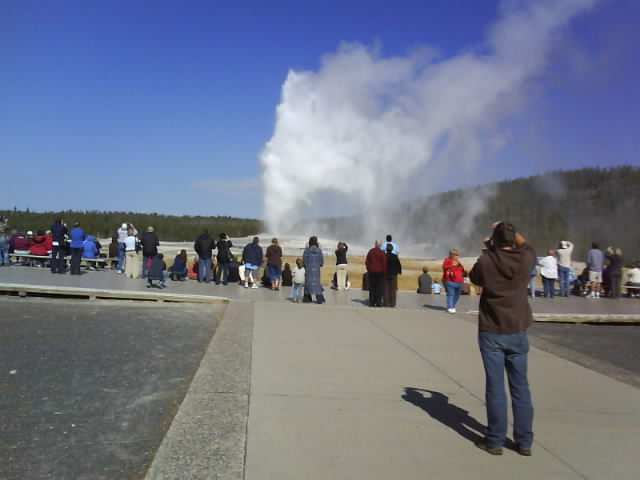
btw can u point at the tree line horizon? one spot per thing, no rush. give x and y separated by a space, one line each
584 205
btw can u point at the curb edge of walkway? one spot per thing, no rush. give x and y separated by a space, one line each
207 438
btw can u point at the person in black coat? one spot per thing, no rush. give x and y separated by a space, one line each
391 277
204 247
224 257
150 242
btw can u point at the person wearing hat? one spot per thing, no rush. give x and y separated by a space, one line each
150 242
122 234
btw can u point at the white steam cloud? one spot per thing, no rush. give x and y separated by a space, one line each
363 124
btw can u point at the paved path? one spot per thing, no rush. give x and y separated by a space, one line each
296 392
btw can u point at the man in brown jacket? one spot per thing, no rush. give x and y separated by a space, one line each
503 273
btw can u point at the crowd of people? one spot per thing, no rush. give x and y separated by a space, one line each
137 256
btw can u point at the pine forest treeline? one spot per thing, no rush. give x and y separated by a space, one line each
105 224
586 205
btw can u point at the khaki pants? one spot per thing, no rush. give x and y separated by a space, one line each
132 265
341 276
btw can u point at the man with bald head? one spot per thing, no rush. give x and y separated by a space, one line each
376 264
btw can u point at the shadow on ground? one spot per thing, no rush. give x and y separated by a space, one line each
437 405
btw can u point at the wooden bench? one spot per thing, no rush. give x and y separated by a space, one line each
86 261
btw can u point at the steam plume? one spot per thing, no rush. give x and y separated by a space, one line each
363 124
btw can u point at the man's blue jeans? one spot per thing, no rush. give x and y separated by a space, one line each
223 269
500 352
453 292
563 275
121 256
204 270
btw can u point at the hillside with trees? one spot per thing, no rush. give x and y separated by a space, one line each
590 204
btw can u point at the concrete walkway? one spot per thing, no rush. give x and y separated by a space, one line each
326 392
345 394
335 393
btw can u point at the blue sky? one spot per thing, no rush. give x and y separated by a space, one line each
164 106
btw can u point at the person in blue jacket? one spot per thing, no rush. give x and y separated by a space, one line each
77 237
89 248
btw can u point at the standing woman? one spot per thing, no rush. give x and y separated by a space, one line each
453 279
77 237
274 263
341 266
549 273
615 270
313 260
132 263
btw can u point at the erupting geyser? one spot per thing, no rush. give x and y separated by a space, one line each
363 124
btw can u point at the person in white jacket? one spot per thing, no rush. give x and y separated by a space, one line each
565 249
549 273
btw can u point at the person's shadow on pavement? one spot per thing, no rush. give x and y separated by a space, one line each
438 407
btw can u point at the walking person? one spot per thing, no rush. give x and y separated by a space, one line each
614 256
453 279
58 238
341 266
274 263
595 262
204 246
224 258
503 272
376 263
252 258
313 260
297 278
150 242
394 268
549 273
565 249
77 238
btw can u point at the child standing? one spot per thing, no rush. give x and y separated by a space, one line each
297 276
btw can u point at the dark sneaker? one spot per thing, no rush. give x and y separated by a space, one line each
482 445
524 451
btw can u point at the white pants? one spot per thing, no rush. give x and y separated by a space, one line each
341 276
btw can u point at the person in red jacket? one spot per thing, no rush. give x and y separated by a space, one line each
376 264
39 247
453 279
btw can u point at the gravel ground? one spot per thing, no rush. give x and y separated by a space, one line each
88 389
